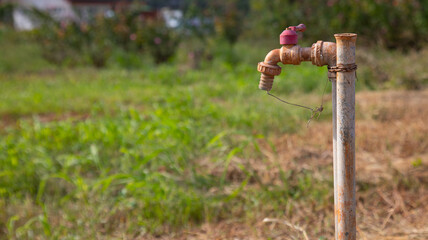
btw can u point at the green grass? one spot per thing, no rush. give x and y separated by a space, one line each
85 153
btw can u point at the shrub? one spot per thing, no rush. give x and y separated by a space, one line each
161 42
6 10
79 43
224 19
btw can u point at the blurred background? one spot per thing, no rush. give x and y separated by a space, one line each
143 120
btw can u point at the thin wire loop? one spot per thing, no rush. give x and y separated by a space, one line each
314 111
294 104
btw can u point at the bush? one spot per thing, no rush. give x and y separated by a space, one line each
6 10
224 19
161 42
80 43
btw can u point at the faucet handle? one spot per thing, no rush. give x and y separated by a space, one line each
299 28
289 35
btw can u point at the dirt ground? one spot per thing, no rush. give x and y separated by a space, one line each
392 174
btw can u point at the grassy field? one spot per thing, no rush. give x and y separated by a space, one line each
174 153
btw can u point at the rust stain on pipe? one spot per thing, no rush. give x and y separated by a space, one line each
345 145
334 126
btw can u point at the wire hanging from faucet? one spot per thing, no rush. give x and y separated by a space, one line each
314 110
294 104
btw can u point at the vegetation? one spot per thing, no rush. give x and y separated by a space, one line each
394 25
73 43
401 25
134 142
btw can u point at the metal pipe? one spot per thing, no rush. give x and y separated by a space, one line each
345 159
334 124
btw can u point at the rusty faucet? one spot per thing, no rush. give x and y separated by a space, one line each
340 59
320 54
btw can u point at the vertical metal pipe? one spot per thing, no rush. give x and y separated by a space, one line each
345 158
334 123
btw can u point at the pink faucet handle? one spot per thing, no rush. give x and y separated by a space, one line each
299 28
289 35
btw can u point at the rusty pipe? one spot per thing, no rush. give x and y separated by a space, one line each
334 126
320 54
345 216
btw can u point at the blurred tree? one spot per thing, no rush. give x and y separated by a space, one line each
223 18
161 41
79 43
197 19
6 11
229 18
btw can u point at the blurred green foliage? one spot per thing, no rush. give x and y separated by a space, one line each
219 19
6 10
18 54
76 43
391 24
394 25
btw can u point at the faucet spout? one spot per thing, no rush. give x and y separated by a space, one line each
287 54
273 57
269 69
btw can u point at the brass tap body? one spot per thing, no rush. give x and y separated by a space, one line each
320 54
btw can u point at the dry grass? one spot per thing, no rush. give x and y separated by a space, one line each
392 174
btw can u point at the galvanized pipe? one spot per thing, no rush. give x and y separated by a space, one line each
345 150
334 124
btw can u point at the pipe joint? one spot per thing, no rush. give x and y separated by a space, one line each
323 53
